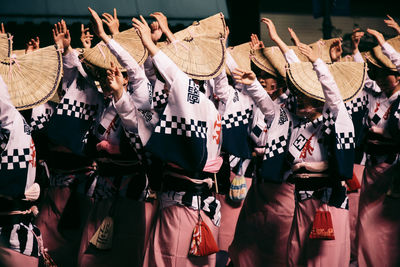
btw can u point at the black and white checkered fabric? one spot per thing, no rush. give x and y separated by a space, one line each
328 121
181 126
137 144
357 104
160 98
277 147
15 159
234 120
73 108
345 140
4 137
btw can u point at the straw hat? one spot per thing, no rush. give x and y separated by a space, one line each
260 60
5 45
278 61
241 55
101 56
349 77
377 57
199 50
32 79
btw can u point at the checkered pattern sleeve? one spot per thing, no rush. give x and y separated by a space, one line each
222 88
262 100
392 54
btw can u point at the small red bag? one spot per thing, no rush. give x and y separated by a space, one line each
322 226
353 184
203 242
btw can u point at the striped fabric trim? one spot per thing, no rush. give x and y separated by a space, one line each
21 238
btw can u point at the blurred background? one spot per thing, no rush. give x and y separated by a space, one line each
311 19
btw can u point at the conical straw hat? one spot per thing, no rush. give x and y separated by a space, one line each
32 79
101 56
260 60
377 57
349 77
199 50
241 55
278 61
5 45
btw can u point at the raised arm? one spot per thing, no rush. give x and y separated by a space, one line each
7 115
112 22
390 22
387 49
164 64
257 92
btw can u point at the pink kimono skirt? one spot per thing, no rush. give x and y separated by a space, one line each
354 198
229 216
11 258
62 248
128 234
379 218
303 251
169 242
263 226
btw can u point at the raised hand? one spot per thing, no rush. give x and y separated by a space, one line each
62 37
112 22
32 45
244 77
336 50
271 29
115 82
255 43
97 26
86 37
293 37
355 39
2 30
156 31
379 36
311 54
163 23
390 22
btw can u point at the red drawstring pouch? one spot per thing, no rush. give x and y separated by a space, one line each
322 226
353 184
203 242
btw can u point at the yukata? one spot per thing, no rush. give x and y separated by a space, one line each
264 223
297 147
378 225
187 138
20 239
116 187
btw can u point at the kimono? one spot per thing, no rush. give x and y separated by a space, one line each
18 189
187 138
378 223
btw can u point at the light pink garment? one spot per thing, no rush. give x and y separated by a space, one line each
379 219
62 248
229 216
354 198
263 226
170 241
128 235
11 258
303 251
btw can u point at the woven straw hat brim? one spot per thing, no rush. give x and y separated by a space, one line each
349 77
323 47
32 79
101 56
5 45
260 60
277 59
241 55
199 50
380 60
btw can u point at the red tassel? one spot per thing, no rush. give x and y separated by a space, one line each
322 226
203 243
353 184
